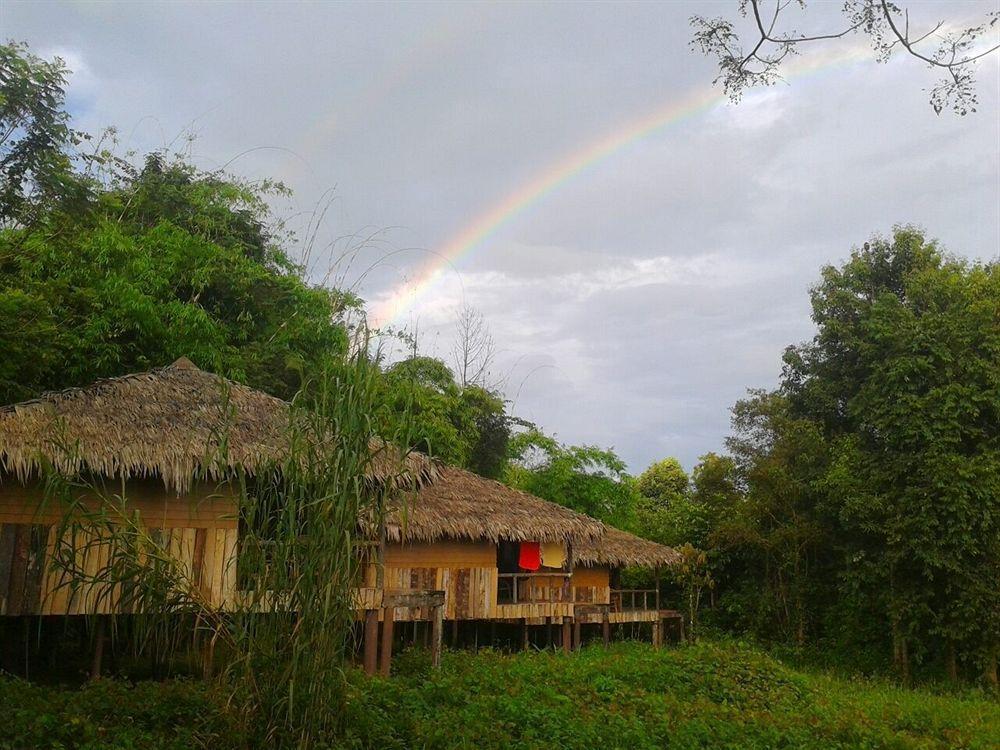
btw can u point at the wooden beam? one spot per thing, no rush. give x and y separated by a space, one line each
576 634
371 641
436 635
527 640
606 627
567 635
386 640
413 599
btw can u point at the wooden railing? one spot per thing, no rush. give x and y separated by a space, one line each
521 588
631 600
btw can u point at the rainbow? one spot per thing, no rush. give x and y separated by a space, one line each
476 232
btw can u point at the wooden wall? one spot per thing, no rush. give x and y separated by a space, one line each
591 585
466 571
199 529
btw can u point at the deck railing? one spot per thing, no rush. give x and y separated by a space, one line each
631 600
523 588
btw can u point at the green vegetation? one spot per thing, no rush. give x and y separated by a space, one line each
707 695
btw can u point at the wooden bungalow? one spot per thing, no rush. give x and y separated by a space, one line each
171 438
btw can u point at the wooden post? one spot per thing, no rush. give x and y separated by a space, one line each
371 641
567 635
527 640
657 632
606 628
548 632
576 634
387 615
657 578
95 665
208 658
436 634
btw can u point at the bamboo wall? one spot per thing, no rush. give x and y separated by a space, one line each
591 585
198 529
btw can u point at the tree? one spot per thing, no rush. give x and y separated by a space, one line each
474 348
160 264
950 52
781 461
35 136
901 377
585 478
466 426
663 482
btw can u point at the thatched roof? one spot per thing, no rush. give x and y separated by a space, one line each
172 422
618 548
461 505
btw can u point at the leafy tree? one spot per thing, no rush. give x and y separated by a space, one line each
165 263
585 478
35 137
663 482
902 377
467 426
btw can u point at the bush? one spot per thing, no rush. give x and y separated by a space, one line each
719 695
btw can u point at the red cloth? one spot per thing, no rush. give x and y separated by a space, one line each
530 557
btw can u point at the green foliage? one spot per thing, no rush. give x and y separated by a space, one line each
705 695
870 483
166 263
663 482
582 477
115 714
35 169
464 425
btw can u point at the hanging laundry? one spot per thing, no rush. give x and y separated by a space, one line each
553 554
530 557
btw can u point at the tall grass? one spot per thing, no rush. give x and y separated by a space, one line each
305 524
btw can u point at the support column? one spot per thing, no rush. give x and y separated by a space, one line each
371 641
606 628
567 635
95 665
437 631
387 616
527 640
577 635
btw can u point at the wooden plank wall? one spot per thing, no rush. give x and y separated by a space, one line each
198 529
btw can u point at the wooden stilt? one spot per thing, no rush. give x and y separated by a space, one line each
437 631
371 641
95 665
567 635
208 657
576 634
606 628
548 632
386 655
525 635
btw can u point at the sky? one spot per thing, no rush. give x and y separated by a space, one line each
641 249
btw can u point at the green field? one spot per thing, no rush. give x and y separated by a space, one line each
630 696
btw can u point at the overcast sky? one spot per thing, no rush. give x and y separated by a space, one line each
635 301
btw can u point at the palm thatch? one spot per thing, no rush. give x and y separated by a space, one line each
618 549
458 504
174 422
